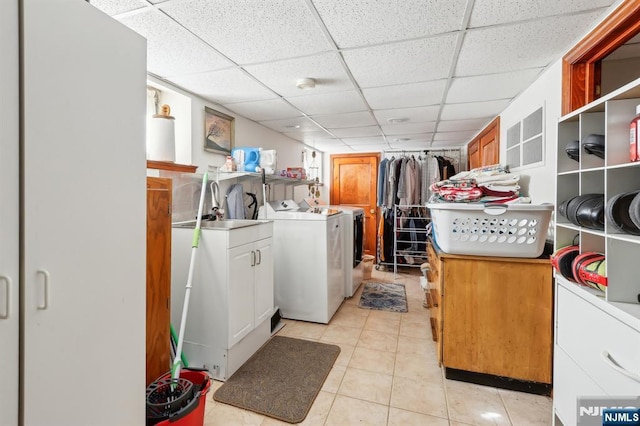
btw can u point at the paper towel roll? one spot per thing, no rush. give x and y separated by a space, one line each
161 138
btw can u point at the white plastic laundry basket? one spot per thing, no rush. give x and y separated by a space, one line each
504 230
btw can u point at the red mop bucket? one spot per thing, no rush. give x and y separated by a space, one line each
180 402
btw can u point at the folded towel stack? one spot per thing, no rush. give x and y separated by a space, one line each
489 184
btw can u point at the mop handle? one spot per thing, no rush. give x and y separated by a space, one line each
177 363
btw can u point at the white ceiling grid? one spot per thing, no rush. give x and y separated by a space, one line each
446 68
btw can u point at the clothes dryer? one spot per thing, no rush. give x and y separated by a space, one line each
308 260
353 237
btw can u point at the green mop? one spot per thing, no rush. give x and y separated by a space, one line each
177 362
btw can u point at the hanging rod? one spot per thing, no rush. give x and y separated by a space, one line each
425 150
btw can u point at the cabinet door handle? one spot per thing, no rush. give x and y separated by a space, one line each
47 278
253 258
608 359
259 257
7 294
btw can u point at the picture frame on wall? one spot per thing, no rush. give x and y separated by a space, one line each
218 131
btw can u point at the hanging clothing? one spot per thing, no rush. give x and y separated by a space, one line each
424 180
402 182
382 178
235 202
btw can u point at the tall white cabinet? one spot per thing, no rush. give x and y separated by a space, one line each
9 212
72 216
597 337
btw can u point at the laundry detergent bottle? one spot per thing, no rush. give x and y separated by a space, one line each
633 136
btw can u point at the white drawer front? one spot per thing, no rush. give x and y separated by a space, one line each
569 383
588 335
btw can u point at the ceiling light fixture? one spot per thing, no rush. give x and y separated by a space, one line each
292 126
397 120
401 139
305 83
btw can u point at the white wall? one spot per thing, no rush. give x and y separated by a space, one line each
190 142
537 182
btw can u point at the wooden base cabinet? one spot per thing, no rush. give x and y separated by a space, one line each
496 315
158 277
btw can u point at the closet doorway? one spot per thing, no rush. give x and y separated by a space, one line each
354 180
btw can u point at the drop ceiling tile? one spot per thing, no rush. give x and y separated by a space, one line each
454 136
490 87
325 69
418 138
249 31
338 121
309 137
473 110
272 109
292 125
170 49
224 86
461 125
491 12
330 145
370 140
405 95
409 145
365 22
449 144
357 132
405 62
375 147
408 128
329 103
114 7
524 45
411 115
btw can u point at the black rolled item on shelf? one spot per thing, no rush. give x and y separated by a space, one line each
618 212
634 210
585 210
594 144
573 150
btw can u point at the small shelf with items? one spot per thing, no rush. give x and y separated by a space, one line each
269 178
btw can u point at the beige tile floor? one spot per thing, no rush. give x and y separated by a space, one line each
387 374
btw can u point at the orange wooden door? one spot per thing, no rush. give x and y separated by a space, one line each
158 277
484 149
490 148
473 152
354 180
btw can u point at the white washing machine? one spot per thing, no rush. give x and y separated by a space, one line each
308 260
353 237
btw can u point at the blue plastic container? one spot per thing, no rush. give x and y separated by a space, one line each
246 158
251 159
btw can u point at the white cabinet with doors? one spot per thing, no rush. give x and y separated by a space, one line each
231 300
9 213
72 216
597 336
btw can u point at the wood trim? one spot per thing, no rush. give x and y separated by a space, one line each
171 167
581 65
